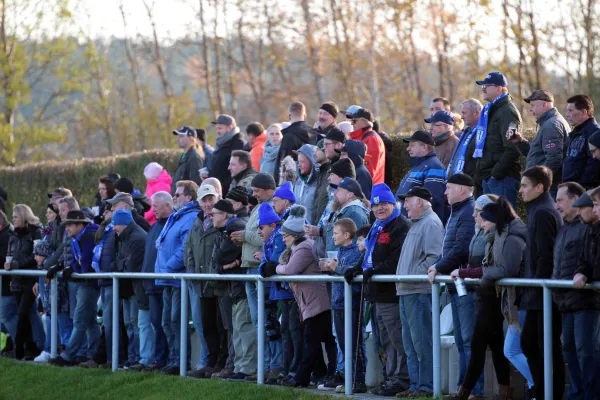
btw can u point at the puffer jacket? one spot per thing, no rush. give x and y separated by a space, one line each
150 253
20 247
312 297
130 259
578 165
5 235
272 250
305 189
199 252
160 184
188 168
375 156
500 157
589 262
226 252
171 243
568 248
108 257
257 150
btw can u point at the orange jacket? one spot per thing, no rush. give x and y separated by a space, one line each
258 148
375 157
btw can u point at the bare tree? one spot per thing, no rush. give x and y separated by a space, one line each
313 51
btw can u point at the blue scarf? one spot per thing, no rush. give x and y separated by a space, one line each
98 248
482 125
460 152
327 211
75 245
371 239
172 219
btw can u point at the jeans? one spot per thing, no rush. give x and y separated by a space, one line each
72 292
146 339
171 322
291 336
161 348
130 318
358 359
506 187
389 329
464 310
579 342
65 326
84 322
106 295
415 315
196 308
252 295
8 314
513 351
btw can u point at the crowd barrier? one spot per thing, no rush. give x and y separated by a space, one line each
545 284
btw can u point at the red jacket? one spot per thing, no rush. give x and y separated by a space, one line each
375 157
258 148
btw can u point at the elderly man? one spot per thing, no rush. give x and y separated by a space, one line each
421 249
455 255
441 128
362 121
229 139
192 159
426 170
170 259
327 116
549 145
240 166
578 308
498 159
124 201
295 135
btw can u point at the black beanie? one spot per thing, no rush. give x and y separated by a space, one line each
124 185
263 181
331 108
224 206
344 168
238 193
201 134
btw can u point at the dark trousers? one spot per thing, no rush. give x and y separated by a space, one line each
532 343
214 333
161 348
317 330
358 360
291 335
489 331
24 339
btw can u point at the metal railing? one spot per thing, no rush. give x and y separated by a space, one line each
545 284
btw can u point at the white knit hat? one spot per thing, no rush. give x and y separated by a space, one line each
152 171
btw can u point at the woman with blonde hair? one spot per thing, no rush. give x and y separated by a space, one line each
27 230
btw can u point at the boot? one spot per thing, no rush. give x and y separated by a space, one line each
504 393
463 394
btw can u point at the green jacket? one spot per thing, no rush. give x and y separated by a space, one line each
198 258
252 242
500 157
188 168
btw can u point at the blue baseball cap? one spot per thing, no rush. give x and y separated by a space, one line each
494 78
350 185
441 116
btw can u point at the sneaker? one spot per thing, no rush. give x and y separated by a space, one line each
422 394
251 378
336 380
170 370
44 357
89 364
60 362
126 365
238 376
357 388
318 380
222 374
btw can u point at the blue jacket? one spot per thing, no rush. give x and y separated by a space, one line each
86 244
150 256
348 258
355 210
171 241
426 171
578 165
108 257
272 249
459 232
208 155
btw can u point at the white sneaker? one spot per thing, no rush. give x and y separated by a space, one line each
42 358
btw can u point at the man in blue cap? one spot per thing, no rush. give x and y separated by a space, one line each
498 159
441 128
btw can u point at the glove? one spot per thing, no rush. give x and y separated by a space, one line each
51 274
350 274
67 272
269 269
367 274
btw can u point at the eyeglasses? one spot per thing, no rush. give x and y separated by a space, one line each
176 195
484 87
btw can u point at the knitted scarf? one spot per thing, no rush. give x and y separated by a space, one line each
371 239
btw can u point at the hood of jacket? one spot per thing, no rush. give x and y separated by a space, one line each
306 151
140 201
356 151
518 228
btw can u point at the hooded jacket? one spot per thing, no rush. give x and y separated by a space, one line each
268 162
257 149
226 252
221 156
509 259
162 183
305 188
356 153
429 172
294 136
171 243
374 159
150 253
578 165
272 249
188 168
20 247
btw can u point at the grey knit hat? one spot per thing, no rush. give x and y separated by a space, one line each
42 248
294 224
483 201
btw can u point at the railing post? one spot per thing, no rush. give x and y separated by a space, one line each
184 325
260 373
348 338
435 326
53 317
547 343
115 324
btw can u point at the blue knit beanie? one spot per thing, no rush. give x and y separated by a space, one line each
122 217
286 192
266 215
381 193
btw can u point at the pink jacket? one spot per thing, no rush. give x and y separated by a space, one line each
162 183
312 297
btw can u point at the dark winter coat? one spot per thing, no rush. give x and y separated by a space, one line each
543 223
130 258
227 252
220 160
578 165
188 168
57 243
198 256
20 247
589 262
356 153
108 258
294 136
150 256
140 220
5 235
